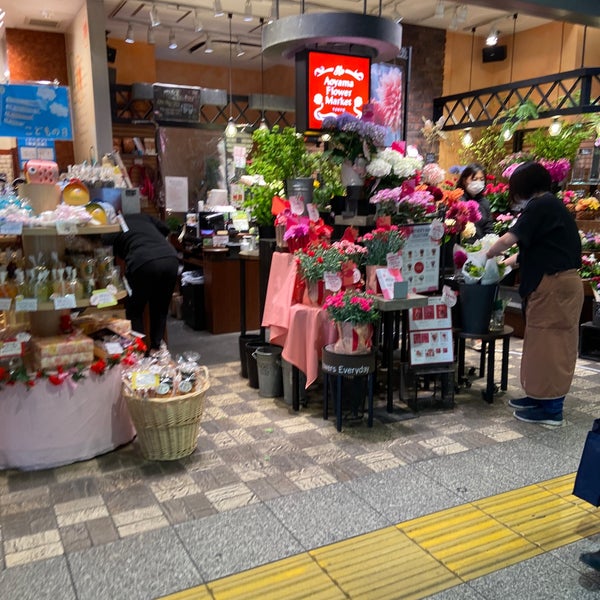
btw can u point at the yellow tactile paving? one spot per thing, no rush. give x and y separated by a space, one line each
290 578
421 557
384 564
468 541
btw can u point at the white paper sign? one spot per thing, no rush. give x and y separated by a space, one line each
394 260
11 348
176 193
23 336
143 380
11 228
436 230
113 348
448 296
239 157
67 301
5 303
333 281
102 298
26 304
66 228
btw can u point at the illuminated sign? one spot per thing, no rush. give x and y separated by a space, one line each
328 85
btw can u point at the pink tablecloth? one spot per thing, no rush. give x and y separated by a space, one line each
302 330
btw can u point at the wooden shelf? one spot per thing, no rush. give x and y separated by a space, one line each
81 230
49 306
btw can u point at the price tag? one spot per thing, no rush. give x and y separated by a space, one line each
5 303
394 260
448 296
356 275
67 301
102 298
122 223
66 228
313 212
144 380
11 349
333 281
436 230
26 304
23 336
11 228
297 204
113 348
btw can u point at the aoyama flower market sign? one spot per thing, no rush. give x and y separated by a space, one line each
336 84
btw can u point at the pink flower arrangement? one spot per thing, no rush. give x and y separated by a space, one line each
502 223
568 197
558 169
351 306
297 231
459 214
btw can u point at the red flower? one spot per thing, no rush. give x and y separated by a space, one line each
98 367
3 373
320 259
139 345
53 379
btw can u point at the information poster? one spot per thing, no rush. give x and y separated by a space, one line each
37 111
176 193
420 259
430 333
35 148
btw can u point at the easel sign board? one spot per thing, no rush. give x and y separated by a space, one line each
420 259
430 333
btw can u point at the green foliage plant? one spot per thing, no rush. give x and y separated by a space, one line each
563 145
485 150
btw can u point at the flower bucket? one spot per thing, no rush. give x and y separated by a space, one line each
476 305
371 281
300 193
298 291
353 338
315 293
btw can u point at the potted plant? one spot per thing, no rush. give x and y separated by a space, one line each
353 313
313 262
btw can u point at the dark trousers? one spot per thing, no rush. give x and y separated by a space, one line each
153 284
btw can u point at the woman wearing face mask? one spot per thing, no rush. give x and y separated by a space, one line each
472 182
551 290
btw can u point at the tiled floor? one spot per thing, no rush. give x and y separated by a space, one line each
266 483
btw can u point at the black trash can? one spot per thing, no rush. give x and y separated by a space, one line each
192 304
243 340
476 305
251 363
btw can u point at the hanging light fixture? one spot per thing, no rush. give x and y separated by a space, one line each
440 9
129 35
218 9
150 38
461 13
197 21
172 40
239 50
231 129
154 18
555 127
467 139
264 126
208 49
248 11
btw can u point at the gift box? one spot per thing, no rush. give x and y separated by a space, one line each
63 350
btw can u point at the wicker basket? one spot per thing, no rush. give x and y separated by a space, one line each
167 428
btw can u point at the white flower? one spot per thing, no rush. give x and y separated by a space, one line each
469 231
407 167
378 167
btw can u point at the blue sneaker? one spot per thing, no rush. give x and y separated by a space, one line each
539 415
526 402
591 559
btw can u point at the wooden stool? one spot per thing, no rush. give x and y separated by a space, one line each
349 366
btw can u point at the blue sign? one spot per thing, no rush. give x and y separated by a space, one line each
40 148
39 111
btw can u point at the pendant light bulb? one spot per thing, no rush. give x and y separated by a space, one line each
467 139
197 21
231 129
507 134
154 18
263 125
218 9
555 127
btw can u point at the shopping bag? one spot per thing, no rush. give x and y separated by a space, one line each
587 480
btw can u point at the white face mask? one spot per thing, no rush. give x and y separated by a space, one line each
475 187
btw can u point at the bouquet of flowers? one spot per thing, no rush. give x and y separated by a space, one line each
590 267
316 260
502 223
459 214
433 174
380 242
390 167
497 195
351 306
590 241
350 137
405 203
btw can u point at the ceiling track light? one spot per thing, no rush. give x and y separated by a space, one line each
440 9
197 21
461 13
154 18
248 11
150 38
492 37
454 22
208 49
218 9
129 35
239 50
172 40
274 12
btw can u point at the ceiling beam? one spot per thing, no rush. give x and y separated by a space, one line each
584 12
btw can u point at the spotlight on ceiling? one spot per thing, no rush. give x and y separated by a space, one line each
218 9
461 13
197 21
208 49
129 35
248 11
154 18
239 51
150 38
172 40
492 37
440 9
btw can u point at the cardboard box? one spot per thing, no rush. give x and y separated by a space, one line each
63 350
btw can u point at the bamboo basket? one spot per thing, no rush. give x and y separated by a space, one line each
168 428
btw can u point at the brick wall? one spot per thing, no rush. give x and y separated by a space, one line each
427 76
